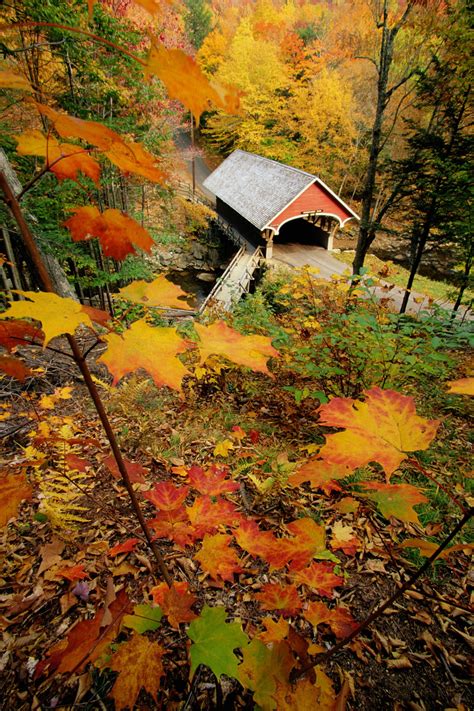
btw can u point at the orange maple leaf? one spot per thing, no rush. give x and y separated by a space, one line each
222 340
14 488
159 293
166 496
72 572
274 631
126 547
463 386
16 333
218 558
87 640
128 156
57 315
185 81
275 596
212 480
14 367
126 354
174 525
339 619
135 470
207 514
319 577
139 664
65 160
344 538
381 429
118 234
176 602
10 79
320 473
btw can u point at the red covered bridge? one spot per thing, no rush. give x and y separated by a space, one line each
266 201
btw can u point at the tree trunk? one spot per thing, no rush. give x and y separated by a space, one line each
56 272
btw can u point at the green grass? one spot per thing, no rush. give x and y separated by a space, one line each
438 290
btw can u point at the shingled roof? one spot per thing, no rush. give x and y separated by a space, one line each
259 188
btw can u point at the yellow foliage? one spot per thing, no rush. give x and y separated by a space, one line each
60 486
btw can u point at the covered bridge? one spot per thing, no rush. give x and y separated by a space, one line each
266 200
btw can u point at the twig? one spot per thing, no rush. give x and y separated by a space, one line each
325 656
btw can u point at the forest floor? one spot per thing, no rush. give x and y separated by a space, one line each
416 656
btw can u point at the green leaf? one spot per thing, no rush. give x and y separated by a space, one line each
215 640
145 618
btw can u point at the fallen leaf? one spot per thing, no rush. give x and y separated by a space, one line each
14 489
339 618
139 664
214 641
135 471
284 598
212 480
381 429
222 340
262 667
218 558
463 386
394 499
274 631
145 618
166 496
319 577
126 547
175 602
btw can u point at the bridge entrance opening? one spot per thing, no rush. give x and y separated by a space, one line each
300 231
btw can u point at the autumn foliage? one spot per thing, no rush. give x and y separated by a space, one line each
256 596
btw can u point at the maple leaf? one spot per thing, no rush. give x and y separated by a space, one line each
126 354
464 386
427 548
139 664
57 314
223 448
166 496
135 470
320 474
14 368
381 429
87 640
344 538
319 577
14 488
339 619
75 463
74 572
394 499
256 542
275 596
16 333
214 641
207 514
118 234
218 558
175 602
174 525
309 541
274 631
126 547
159 293
145 618
304 695
128 156
262 667
185 81
65 160
212 481
10 79
250 351
99 316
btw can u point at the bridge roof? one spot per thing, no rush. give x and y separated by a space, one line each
259 189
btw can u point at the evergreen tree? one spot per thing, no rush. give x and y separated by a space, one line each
198 21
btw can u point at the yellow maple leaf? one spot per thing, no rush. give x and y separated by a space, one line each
251 351
223 448
381 429
151 348
160 293
464 386
57 315
139 664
